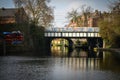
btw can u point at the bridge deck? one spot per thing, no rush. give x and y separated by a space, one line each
72 32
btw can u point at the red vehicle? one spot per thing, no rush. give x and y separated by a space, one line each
8 38
14 38
17 36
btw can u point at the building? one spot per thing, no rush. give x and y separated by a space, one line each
91 20
12 15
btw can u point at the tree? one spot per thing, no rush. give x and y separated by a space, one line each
40 15
73 16
115 13
38 11
110 25
80 19
86 12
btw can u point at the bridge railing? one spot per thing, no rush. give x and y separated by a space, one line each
73 29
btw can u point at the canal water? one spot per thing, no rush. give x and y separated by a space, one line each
62 65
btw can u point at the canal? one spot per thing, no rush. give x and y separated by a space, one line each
63 64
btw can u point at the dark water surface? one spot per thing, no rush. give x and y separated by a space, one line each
83 66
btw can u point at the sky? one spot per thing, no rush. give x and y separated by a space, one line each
62 7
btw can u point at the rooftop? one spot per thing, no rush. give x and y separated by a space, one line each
8 12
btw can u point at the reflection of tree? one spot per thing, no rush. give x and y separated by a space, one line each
77 51
109 62
91 54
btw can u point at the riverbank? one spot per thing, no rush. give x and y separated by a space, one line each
115 51
110 49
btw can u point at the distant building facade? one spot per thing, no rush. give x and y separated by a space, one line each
90 21
13 15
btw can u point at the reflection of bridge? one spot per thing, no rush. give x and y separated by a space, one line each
90 33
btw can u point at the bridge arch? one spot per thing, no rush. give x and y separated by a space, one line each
92 43
49 41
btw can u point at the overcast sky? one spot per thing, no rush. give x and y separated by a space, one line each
64 6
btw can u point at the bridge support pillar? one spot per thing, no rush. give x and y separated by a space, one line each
70 45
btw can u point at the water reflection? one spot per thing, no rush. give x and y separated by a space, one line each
79 53
60 68
63 51
59 51
81 63
77 58
78 64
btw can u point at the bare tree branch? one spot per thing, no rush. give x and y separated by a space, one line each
38 11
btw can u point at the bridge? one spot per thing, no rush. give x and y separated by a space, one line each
90 33
75 32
